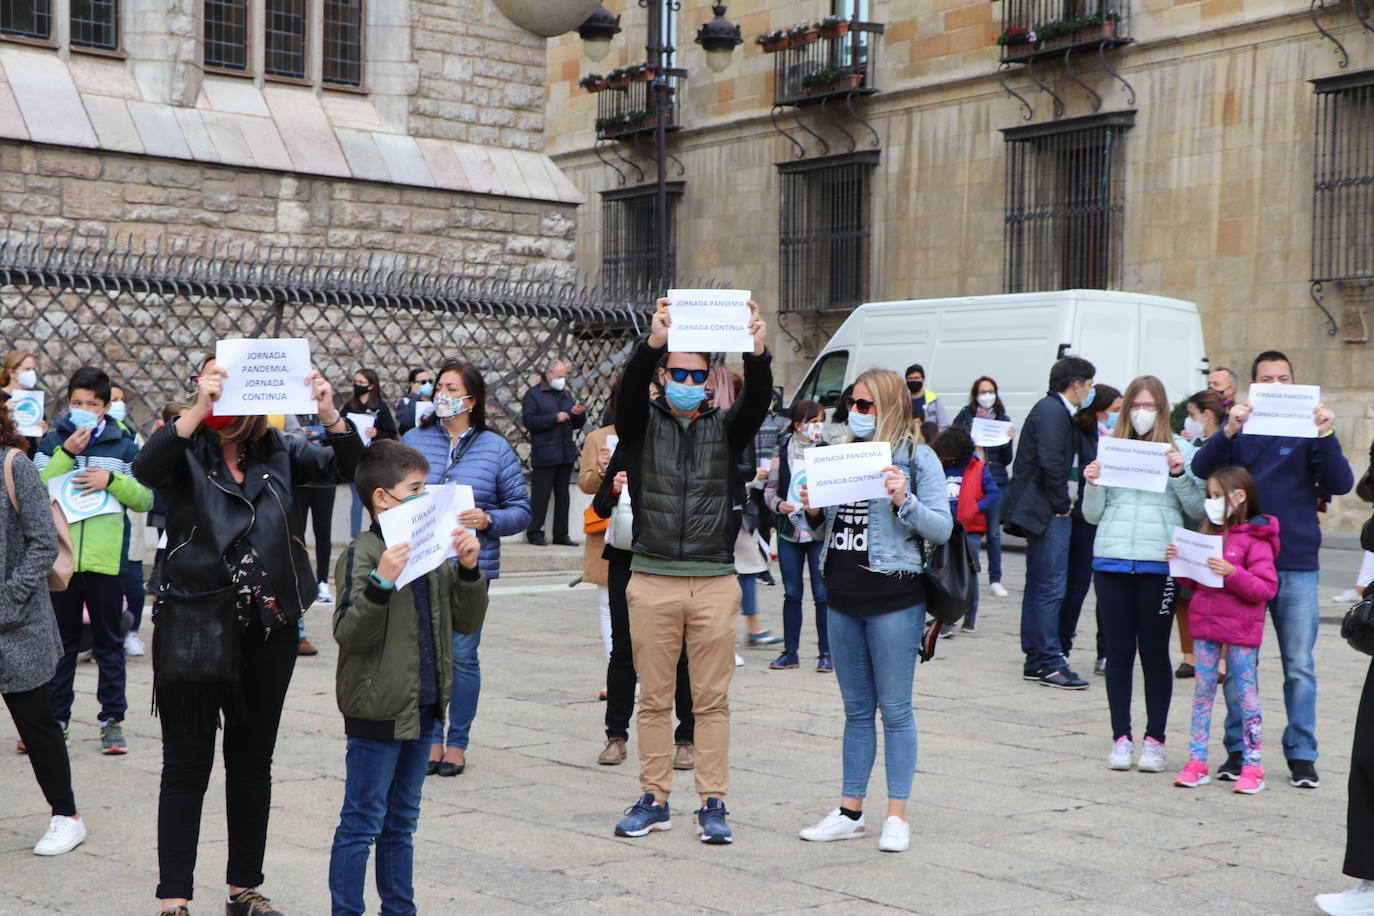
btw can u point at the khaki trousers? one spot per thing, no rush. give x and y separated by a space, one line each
663 611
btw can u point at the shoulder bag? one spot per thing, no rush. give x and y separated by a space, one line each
1358 626
65 564
951 569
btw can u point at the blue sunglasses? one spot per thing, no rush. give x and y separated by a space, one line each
698 376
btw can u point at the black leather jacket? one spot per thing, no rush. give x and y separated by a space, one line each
207 510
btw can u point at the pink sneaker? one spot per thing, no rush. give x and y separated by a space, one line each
1193 775
1251 781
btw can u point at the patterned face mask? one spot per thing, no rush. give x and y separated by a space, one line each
447 405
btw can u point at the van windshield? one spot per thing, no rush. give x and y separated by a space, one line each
825 382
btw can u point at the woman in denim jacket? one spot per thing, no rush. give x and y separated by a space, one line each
872 561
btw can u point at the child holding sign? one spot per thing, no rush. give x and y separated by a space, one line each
1134 527
394 677
1231 617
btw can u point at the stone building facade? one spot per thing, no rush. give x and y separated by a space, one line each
1201 113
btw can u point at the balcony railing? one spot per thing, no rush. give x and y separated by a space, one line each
812 67
1038 29
630 107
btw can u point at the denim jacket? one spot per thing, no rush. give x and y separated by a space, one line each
894 535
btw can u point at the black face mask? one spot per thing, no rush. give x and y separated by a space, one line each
360 391
915 387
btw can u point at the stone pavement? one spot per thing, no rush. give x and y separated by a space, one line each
1013 809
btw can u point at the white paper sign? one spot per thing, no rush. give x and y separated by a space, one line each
265 377
1283 410
422 410
990 433
77 506
1133 464
839 474
366 425
427 523
709 321
28 411
1193 551
612 443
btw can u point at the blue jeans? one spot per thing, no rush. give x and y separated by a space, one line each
355 515
381 804
467 686
1296 614
1047 576
975 543
748 588
792 558
875 663
994 536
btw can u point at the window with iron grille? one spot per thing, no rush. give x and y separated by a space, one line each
825 232
1343 182
342 54
95 24
1066 203
284 38
226 34
629 237
26 18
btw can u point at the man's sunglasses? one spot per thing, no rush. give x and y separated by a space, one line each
698 376
859 405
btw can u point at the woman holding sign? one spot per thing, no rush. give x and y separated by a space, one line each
985 402
872 561
367 401
19 372
1134 591
234 582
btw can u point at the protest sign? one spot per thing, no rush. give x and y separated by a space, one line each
839 474
366 424
990 433
422 410
709 321
28 411
78 506
612 443
264 377
1133 464
427 524
1193 551
1283 410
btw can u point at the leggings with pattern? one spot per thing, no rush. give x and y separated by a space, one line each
1241 662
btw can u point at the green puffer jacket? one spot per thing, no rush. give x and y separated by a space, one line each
377 682
1138 524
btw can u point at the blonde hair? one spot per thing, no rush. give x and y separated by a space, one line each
1155 388
244 429
893 408
13 360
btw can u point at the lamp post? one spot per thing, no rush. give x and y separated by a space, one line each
718 38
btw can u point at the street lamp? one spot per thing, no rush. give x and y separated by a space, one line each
718 38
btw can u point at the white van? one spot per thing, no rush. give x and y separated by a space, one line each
1015 339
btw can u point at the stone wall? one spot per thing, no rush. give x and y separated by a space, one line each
97 194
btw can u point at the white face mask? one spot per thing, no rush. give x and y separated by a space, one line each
1216 507
27 379
1193 427
813 431
558 384
1143 420
986 401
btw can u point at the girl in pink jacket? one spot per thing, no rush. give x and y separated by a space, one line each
1231 617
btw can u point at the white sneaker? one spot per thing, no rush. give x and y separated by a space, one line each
133 644
1152 757
739 662
834 826
1120 757
1349 596
896 835
64 834
324 595
1358 901
998 589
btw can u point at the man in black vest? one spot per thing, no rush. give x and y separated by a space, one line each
1038 507
678 453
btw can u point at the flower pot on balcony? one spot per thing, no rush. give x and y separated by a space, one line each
804 38
774 45
618 82
835 31
645 75
1097 32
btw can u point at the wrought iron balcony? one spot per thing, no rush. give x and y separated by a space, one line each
814 65
1038 29
629 106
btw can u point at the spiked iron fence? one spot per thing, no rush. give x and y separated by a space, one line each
149 315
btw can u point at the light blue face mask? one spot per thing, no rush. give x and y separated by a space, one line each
426 389
863 425
684 398
118 411
1111 420
82 418
1088 399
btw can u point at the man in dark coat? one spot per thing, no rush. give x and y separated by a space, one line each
551 413
1038 508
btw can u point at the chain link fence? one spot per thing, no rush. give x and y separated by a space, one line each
149 314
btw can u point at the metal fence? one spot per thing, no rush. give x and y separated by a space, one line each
148 315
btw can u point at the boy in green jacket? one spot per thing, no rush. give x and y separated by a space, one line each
394 677
95 449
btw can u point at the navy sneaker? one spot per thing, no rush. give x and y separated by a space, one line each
788 659
644 817
711 826
1031 673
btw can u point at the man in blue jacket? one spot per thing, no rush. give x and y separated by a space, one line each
551 414
1290 473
